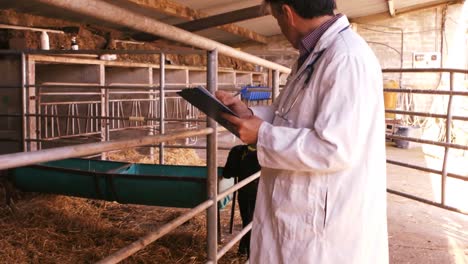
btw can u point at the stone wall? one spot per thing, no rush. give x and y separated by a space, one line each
95 37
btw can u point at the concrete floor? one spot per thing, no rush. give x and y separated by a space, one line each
420 233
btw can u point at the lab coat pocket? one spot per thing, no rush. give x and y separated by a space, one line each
299 212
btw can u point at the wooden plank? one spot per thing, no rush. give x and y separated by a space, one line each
177 10
222 19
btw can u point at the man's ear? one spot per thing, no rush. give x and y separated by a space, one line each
289 14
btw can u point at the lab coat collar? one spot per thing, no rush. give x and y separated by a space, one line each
325 41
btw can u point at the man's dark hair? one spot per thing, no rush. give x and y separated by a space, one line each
305 8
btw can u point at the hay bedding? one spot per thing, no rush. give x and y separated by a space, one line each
60 229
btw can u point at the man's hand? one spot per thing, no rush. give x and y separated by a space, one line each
236 105
247 127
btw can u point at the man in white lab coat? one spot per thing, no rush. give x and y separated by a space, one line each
322 192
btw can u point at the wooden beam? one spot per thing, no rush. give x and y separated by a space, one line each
432 4
401 11
171 8
222 19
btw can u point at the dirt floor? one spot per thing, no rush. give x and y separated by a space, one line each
57 229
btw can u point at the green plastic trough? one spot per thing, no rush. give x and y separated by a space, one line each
158 185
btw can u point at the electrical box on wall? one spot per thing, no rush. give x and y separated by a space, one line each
426 60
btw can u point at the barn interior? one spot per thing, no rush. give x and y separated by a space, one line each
101 160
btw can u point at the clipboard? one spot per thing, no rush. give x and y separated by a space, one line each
210 105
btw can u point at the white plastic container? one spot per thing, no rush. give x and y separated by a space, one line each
74 44
108 57
45 44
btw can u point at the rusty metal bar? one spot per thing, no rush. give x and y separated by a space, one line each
212 163
9 161
429 202
153 236
411 113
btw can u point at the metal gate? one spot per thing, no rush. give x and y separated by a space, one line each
446 141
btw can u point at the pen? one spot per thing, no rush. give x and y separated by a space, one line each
236 93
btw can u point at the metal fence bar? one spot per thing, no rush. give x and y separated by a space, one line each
411 166
37 110
153 236
411 113
413 70
448 137
212 163
71 93
231 243
169 86
172 87
429 142
422 200
10 161
104 51
24 101
238 186
193 147
275 84
140 118
152 111
447 144
162 103
421 91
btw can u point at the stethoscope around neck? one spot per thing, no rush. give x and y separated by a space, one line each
307 73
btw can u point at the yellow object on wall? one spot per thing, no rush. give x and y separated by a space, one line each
390 99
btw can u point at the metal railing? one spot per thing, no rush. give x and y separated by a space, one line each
447 144
141 23
33 116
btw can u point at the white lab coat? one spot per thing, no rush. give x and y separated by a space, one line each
322 192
